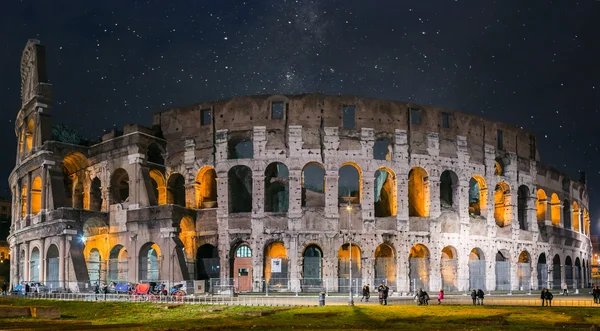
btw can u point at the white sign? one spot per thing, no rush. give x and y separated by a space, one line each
275 265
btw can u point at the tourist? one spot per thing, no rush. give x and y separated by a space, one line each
480 296
366 293
425 298
596 294
543 296
474 297
565 289
380 291
4 288
549 297
440 296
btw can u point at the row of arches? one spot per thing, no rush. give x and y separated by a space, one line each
571 212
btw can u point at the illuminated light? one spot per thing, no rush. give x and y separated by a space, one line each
83 239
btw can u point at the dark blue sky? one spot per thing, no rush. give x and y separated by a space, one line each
531 63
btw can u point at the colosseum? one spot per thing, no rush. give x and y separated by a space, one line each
293 193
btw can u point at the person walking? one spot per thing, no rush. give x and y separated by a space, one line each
565 289
4 288
380 291
366 293
474 297
543 296
596 294
440 296
549 298
480 296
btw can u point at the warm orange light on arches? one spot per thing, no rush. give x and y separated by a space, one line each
161 186
418 192
502 204
36 196
542 205
205 188
555 209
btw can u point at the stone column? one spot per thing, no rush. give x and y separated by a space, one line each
462 199
548 216
61 261
26 263
368 203
222 195
490 277
402 201
293 264
43 261
434 197
29 184
295 194
258 194
533 283
463 269
549 265
531 214
563 276
562 218
105 192
190 196
435 272
367 271
331 194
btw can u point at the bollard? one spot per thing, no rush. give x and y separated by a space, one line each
321 299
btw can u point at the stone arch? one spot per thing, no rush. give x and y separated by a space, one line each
575 218
94 227
94 265
241 270
187 235
23 200
498 167
385 265
382 149
176 190
36 195
74 165
277 189
569 271
542 271
312 268
502 204
578 277
78 196
154 154
478 196
52 260
150 259
313 185
350 183
29 132
349 252
449 269
386 203
240 147
240 189
159 187
119 185
524 271
418 192
567 214
96 194
118 262
448 190
418 271
276 266
503 281
542 205
522 206
34 268
477 269
206 188
208 263
555 209
556 272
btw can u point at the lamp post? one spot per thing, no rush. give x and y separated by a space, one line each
349 209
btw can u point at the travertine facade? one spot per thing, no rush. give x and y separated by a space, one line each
257 188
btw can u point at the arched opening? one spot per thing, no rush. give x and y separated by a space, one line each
349 184
524 271
502 204
208 264
75 180
312 268
448 192
478 195
477 269
29 134
382 149
240 189
240 148
277 191
176 190
36 196
575 218
569 272
78 197
385 266
276 267
119 185
418 192
155 155
449 269
23 200
150 259
567 214
578 274
556 276
503 271
187 235
555 209
206 188
94 227
34 268
542 272
418 273
522 196
94 264
52 280
344 267
542 205
96 195
586 222
242 268
385 193
498 167
118 264
313 185
159 188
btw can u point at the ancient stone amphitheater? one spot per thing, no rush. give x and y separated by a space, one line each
292 193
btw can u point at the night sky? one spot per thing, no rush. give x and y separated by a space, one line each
529 63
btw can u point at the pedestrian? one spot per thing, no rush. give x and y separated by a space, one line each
425 298
386 292
596 294
27 289
4 288
474 297
480 296
366 293
549 297
565 289
380 291
543 296
440 296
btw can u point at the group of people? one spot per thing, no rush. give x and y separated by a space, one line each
383 291
422 297
477 297
546 297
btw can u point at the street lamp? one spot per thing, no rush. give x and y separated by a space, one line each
349 209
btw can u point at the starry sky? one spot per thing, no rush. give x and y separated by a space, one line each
529 63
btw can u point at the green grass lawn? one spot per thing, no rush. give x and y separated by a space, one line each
87 315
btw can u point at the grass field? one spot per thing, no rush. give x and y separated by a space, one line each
131 316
